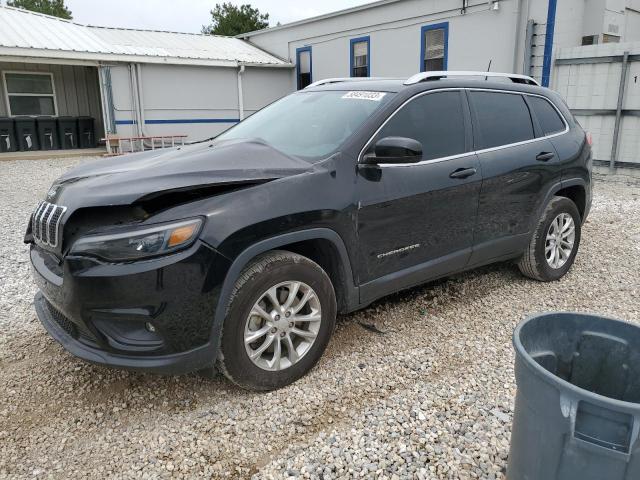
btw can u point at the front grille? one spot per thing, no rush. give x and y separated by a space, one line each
45 222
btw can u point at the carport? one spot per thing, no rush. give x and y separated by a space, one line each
61 79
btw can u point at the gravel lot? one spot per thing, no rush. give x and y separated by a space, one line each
431 396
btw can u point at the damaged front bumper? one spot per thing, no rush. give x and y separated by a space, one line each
153 315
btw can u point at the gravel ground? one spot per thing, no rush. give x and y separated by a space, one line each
428 396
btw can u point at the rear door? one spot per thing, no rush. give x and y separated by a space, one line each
519 164
416 221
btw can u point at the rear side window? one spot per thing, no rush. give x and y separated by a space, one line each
547 115
436 120
502 118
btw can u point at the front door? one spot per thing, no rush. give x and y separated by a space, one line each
416 221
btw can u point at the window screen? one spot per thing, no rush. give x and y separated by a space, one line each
436 120
547 115
304 68
360 56
30 93
501 119
433 48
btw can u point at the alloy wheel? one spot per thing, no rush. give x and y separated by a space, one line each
282 325
560 240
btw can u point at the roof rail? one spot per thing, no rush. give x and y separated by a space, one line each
438 75
327 81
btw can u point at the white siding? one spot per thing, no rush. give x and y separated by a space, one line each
200 102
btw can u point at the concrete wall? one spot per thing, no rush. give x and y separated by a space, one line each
200 102
76 88
592 88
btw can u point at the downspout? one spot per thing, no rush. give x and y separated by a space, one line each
516 43
107 110
134 98
548 43
140 99
240 95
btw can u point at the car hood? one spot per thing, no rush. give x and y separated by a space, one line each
130 178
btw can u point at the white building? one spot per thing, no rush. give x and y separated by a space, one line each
396 38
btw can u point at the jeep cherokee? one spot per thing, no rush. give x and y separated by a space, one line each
240 251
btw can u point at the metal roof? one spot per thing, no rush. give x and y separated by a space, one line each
29 34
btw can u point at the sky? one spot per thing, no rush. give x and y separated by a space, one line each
190 15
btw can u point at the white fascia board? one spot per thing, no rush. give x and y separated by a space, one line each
30 55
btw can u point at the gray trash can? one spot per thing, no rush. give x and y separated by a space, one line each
86 132
47 133
8 141
26 133
577 411
68 132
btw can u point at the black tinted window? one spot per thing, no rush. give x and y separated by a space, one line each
502 118
547 115
436 120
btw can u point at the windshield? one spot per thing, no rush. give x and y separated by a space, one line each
309 124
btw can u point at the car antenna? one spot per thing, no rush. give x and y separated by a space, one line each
488 69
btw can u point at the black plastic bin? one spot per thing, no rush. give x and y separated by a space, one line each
68 132
577 411
86 132
8 141
26 133
47 133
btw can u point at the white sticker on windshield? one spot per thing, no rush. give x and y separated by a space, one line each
361 95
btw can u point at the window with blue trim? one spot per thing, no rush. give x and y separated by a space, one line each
304 67
434 46
360 57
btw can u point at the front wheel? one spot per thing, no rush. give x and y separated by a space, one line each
281 315
555 242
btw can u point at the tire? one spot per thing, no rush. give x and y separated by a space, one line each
283 270
535 263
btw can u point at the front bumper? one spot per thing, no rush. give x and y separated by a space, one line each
102 312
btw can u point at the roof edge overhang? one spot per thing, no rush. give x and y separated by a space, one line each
317 18
30 55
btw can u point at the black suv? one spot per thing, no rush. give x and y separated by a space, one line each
240 251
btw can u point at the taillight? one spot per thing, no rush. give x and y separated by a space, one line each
589 139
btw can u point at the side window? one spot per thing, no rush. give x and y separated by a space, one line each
360 57
547 115
433 47
436 120
303 67
501 119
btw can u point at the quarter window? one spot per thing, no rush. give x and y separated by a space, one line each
360 57
303 67
547 115
30 93
436 120
434 47
501 119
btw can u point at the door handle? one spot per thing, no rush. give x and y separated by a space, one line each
544 156
463 173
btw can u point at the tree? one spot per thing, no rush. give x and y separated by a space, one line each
57 8
227 19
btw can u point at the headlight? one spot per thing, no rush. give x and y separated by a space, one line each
140 243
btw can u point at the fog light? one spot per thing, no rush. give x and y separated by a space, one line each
150 327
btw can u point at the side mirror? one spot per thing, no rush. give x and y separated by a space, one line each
394 150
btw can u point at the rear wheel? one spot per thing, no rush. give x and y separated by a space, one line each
280 318
555 242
